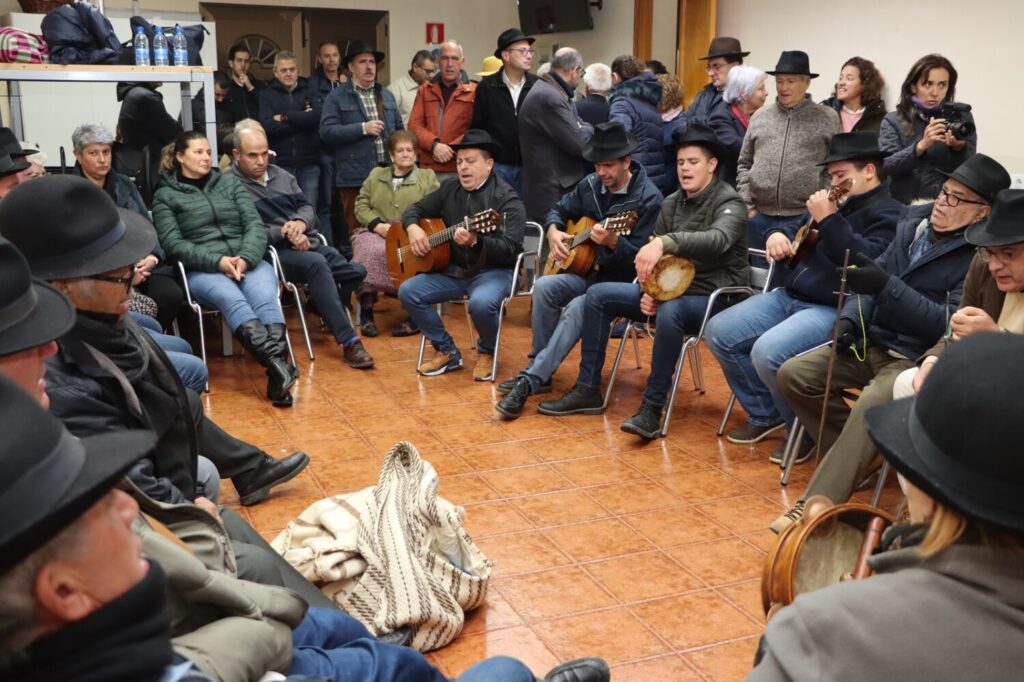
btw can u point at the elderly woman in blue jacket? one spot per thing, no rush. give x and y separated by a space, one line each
744 93
634 103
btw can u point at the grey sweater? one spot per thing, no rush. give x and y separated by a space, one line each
278 201
776 172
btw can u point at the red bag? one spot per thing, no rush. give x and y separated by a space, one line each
18 46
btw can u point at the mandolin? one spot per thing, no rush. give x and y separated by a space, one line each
583 250
403 263
807 236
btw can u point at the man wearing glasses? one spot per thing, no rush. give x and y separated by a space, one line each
498 98
723 54
902 303
442 112
421 70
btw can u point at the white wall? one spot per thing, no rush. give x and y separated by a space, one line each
981 38
611 37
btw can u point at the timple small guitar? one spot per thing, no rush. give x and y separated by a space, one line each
807 236
403 263
582 249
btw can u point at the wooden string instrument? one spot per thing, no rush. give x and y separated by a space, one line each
808 235
403 263
583 250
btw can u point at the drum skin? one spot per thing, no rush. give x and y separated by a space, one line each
670 278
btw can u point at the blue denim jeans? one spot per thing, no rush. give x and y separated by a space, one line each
751 341
556 321
335 645
486 290
331 279
758 226
255 297
675 318
190 369
513 175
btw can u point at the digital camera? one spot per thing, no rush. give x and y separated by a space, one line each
957 123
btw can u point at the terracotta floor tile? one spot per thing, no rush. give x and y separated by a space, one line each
521 553
518 642
637 577
743 514
528 480
495 614
704 484
747 596
329 449
556 509
722 561
598 539
498 455
467 489
536 426
289 500
664 460
493 518
695 619
676 526
339 476
597 470
662 669
554 593
565 448
473 434
616 634
633 496
725 662
763 540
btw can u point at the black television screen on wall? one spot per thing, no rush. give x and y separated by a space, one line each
554 16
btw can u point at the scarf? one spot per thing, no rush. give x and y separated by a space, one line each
127 639
924 109
116 339
740 116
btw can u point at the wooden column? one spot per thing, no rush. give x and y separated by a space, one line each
697 26
643 27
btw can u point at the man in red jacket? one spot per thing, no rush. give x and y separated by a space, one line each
443 112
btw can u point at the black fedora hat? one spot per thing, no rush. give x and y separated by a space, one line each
1005 225
357 47
67 227
9 143
31 311
610 141
478 139
724 46
49 478
958 440
699 134
509 36
853 147
793 63
983 174
9 166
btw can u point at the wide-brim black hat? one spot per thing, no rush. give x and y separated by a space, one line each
510 36
477 139
861 145
10 143
958 440
793 63
1005 225
357 47
31 311
610 141
10 166
67 227
724 46
49 478
699 134
983 174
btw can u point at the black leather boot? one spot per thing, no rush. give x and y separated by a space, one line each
278 336
256 339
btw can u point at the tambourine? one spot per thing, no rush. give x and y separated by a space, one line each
670 278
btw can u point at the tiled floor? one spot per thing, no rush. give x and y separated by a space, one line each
645 553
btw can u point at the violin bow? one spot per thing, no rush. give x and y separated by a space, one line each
832 354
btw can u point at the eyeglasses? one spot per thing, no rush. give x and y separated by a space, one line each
1003 256
523 50
126 280
954 200
717 67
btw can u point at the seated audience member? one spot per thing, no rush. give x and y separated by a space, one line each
387 193
443 112
858 96
499 98
702 221
634 103
618 185
943 601
290 222
597 83
404 88
922 148
10 172
290 115
744 94
778 166
905 299
244 94
207 221
724 54
753 338
107 375
481 263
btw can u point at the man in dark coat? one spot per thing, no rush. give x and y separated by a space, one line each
723 54
244 94
597 83
500 96
552 135
906 299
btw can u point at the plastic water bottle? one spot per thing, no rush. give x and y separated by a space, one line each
160 57
180 46
141 45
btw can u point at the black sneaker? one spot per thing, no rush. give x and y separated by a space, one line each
803 451
578 400
751 433
646 423
506 386
511 406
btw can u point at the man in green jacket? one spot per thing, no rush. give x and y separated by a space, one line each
704 221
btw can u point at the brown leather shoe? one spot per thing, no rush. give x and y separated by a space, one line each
357 357
482 367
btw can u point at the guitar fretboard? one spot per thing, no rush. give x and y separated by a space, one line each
447 233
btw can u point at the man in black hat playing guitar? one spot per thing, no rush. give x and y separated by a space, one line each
481 261
615 196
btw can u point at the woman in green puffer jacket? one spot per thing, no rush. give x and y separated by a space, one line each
207 221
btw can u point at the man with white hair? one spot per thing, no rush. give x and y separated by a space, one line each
597 82
443 112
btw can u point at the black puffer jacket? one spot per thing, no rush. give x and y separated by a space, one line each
634 104
144 120
451 203
79 34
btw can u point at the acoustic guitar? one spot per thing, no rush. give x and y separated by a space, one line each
808 235
582 250
403 263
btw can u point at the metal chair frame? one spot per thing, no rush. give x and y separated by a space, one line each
297 292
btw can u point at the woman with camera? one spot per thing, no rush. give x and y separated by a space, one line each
929 134
858 96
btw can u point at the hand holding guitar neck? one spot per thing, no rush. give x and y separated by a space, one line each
824 203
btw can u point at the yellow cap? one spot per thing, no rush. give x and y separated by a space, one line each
491 65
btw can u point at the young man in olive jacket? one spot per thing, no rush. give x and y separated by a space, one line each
481 263
703 221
